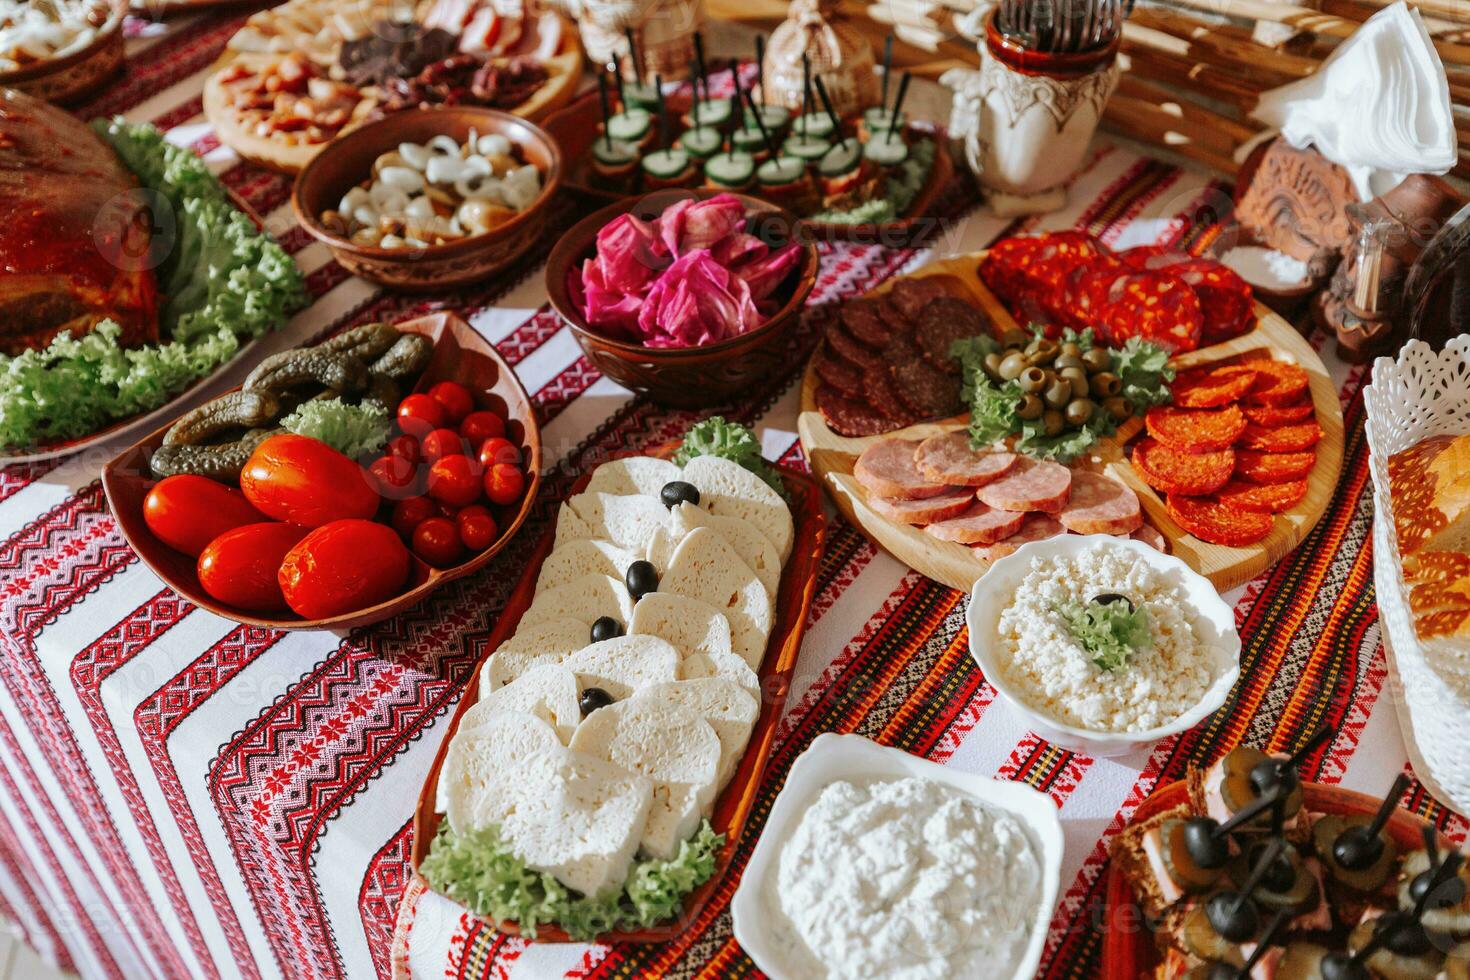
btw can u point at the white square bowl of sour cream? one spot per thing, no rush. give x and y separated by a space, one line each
765 932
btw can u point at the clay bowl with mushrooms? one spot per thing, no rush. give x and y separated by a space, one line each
433 198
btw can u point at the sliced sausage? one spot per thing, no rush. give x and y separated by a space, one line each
979 524
926 390
1034 527
1100 505
949 504
942 322
843 375
850 417
887 469
910 296
1152 537
949 458
862 319
1030 485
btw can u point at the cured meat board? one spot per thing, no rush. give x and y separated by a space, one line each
832 456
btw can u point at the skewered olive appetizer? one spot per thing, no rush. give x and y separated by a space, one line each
1062 385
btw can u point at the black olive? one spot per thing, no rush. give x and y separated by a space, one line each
605 628
1266 776
1406 937
642 578
1206 847
677 492
1355 848
593 698
1033 379
1233 916
1280 876
1339 965
1105 598
1031 407
1220 970
1448 894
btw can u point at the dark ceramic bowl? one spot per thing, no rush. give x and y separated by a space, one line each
686 377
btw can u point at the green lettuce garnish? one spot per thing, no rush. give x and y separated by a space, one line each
352 430
479 870
224 282
729 440
1110 631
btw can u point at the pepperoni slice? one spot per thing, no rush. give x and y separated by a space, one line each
862 319
840 374
949 504
949 458
1272 415
1281 438
1035 527
1171 471
1259 467
850 417
1100 505
1218 523
1211 387
1195 430
1268 498
1157 307
886 469
1277 382
979 524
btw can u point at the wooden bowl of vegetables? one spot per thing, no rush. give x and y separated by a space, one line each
341 483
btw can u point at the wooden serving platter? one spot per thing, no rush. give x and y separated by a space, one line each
832 456
1128 946
460 354
734 805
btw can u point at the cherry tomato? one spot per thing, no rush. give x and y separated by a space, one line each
477 528
342 567
456 399
455 480
404 447
441 443
187 512
409 514
396 477
497 450
504 484
436 541
482 425
239 567
418 415
304 481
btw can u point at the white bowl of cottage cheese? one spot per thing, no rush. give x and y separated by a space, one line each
1103 644
876 863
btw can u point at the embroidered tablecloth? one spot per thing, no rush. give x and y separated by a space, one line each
184 797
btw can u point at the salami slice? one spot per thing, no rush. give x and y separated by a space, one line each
1277 382
944 321
1157 307
1225 299
861 318
1281 438
1100 505
1270 415
844 346
1030 485
1210 387
1267 498
1218 523
840 374
1088 292
949 504
886 469
850 417
1171 471
1195 430
910 296
1259 467
883 395
979 524
949 458
927 391
1035 527
1148 257
1152 537
1005 266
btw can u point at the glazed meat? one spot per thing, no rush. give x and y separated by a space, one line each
74 243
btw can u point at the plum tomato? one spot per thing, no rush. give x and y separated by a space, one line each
497 450
436 541
477 528
404 447
482 425
409 514
455 398
418 415
504 484
396 477
186 512
441 443
239 568
342 567
455 480
304 481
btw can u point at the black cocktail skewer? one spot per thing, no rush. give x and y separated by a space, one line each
827 104
806 90
887 67
602 95
760 124
633 56
903 91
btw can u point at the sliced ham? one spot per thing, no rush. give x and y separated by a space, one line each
887 469
979 524
1100 505
949 458
1151 536
1034 527
1030 485
951 503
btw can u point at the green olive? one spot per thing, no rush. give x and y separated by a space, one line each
1065 361
992 365
1070 349
1053 422
1011 366
1058 394
1098 359
1014 337
1077 378
1033 379
1079 411
1042 350
1105 383
1118 407
1030 407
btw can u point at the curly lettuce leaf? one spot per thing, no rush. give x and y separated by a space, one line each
1145 372
225 282
1110 631
352 430
730 440
479 870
